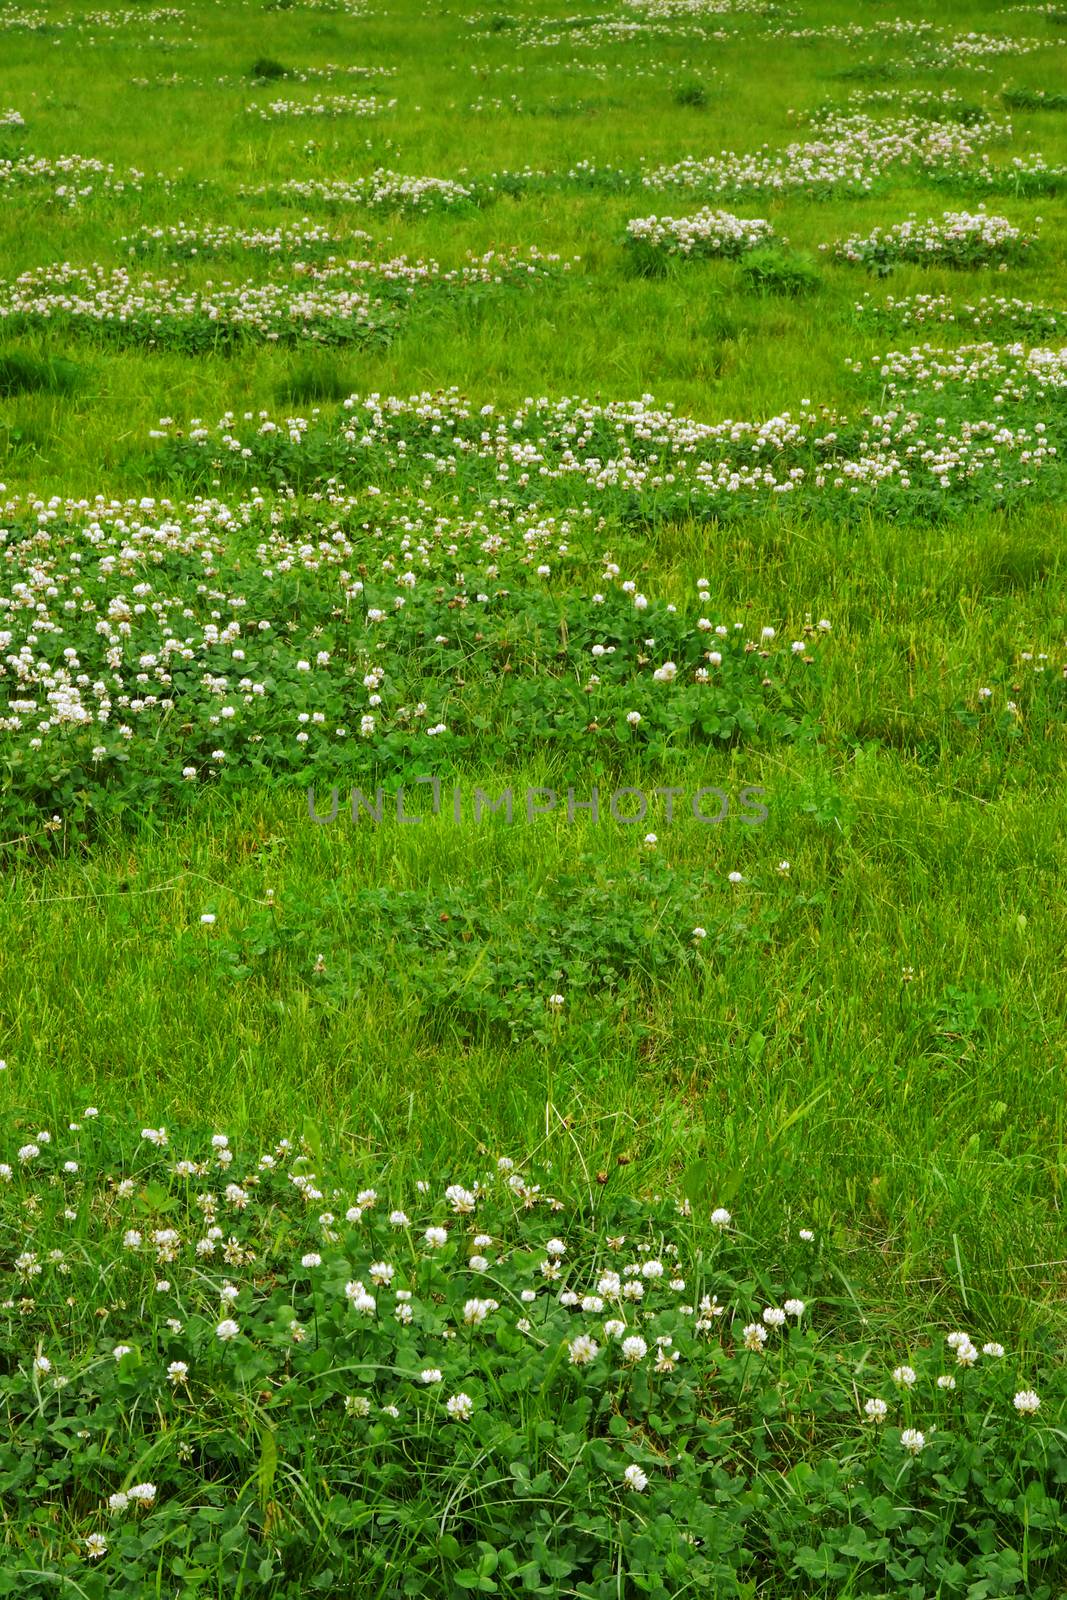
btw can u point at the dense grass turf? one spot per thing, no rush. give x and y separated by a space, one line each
861 1034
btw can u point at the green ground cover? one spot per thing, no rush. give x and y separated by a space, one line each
391 392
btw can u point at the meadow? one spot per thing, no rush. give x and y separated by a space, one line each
652 1194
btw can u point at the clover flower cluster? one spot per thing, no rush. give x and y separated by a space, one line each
706 233
334 105
383 190
10 118
633 454
107 633
430 1307
850 155
1016 372
1024 175
161 311
1028 317
583 33
336 302
957 239
331 71
71 178
204 240
11 19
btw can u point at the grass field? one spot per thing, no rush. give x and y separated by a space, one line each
521 485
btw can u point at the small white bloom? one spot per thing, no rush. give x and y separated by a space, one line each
582 1350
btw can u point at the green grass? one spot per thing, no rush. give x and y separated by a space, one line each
869 1043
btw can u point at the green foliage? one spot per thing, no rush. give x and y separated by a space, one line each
778 271
266 69
24 373
1034 100
691 93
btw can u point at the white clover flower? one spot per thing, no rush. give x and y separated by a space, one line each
475 1312
735 878
312 1259
382 1273
633 718
774 1317
399 1219
806 1234
555 1001
461 1200
177 1372
358 1298
946 1381
876 1410
1026 1402
430 1375
614 1328
121 1350
207 917
634 1348
435 1238
635 1479
652 1269
904 1375
755 1336
95 1546
459 1407
478 1264
582 1350
912 1440
794 1308
721 1217
118 1501
994 1350
142 1494
42 1365
227 1329
357 1405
